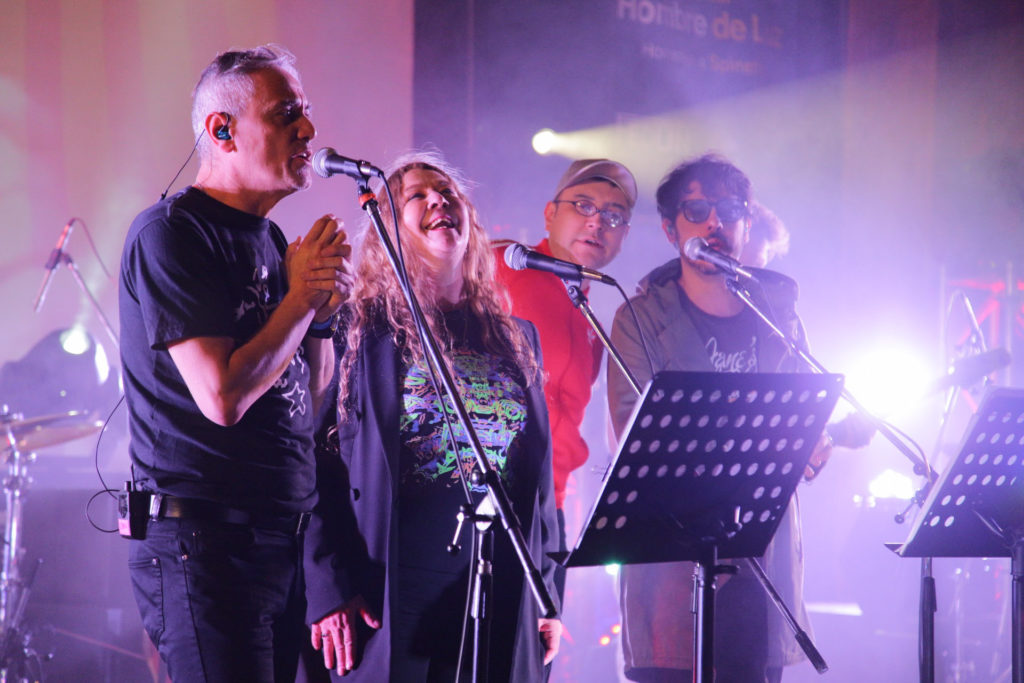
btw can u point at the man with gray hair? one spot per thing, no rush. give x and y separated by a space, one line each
226 353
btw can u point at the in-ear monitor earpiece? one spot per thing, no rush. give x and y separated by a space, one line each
223 133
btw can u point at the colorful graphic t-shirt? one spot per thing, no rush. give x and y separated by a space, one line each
430 489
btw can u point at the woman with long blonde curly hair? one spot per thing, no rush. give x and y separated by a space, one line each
377 292
401 466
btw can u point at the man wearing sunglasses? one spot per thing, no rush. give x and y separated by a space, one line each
586 222
693 322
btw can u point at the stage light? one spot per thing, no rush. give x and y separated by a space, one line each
75 341
889 379
611 569
544 141
605 640
892 484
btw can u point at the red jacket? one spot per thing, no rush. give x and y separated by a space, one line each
572 358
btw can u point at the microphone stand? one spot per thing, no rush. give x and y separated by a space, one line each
66 259
574 287
928 602
920 466
495 490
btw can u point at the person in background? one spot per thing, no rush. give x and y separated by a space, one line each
693 322
768 239
586 223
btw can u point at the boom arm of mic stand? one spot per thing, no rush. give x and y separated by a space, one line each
920 466
495 490
66 259
579 299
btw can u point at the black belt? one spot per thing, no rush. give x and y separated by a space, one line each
208 511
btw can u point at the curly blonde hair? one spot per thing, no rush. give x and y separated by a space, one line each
378 298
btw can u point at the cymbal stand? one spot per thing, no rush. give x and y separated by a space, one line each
13 589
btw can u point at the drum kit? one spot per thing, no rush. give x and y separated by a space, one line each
21 438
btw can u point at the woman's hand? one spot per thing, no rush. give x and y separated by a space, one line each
551 636
336 634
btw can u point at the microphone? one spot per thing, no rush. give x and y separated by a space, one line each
696 248
964 372
518 257
327 162
51 264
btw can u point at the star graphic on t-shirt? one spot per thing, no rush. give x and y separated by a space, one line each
297 395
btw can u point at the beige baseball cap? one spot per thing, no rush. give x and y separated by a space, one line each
585 170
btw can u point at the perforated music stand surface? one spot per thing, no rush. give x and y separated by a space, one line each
699 446
985 478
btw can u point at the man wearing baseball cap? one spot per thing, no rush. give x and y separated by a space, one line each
586 222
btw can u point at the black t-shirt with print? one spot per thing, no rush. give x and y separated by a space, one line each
731 342
194 267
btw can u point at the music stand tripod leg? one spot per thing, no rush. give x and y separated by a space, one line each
1017 601
704 616
801 636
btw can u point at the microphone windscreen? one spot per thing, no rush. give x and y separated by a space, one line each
320 161
515 256
693 246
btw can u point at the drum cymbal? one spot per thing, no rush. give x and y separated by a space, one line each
47 430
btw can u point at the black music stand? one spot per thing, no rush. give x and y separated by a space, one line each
705 470
976 508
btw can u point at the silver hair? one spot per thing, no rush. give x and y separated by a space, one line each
226 84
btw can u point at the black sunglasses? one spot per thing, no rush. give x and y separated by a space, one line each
729 209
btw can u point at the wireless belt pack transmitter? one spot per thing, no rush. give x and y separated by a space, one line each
132 511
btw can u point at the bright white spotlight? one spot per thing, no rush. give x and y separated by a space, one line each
543 141
75 341
612 569
889 379
892 484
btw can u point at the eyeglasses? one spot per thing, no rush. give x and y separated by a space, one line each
587 208
729 209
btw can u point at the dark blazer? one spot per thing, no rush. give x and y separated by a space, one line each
350 543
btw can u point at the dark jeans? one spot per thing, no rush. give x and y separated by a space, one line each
221 602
